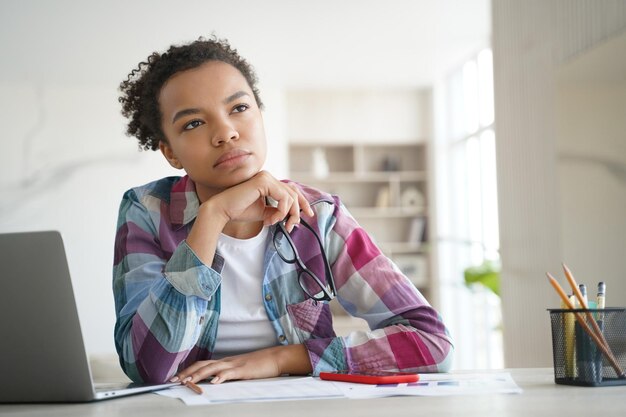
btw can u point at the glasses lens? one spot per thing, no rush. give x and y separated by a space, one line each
312 286
283 247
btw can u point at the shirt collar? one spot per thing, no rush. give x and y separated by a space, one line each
184 202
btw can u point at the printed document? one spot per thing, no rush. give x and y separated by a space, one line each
309 388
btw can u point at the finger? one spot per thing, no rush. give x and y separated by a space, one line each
302 201
272 198
225 375
284 204
294 213
181 375
206 372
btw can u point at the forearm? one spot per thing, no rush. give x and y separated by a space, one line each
395 347
293 360
205 232
264 363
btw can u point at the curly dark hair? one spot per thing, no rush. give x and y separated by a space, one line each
140 91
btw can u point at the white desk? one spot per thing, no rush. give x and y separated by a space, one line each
541 397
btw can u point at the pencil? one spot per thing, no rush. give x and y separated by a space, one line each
583 302
604 348
575 287
195 388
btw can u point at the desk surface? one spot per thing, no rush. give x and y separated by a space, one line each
541 397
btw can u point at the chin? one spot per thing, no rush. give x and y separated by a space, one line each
241 176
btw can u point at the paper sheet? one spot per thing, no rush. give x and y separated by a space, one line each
284 389
437 385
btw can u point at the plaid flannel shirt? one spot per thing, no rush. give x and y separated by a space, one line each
167 301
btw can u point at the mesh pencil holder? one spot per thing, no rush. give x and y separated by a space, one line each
578 360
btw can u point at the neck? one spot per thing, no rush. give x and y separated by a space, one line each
242 230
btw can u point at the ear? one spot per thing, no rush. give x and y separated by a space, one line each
168 153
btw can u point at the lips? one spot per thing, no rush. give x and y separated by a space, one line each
231 155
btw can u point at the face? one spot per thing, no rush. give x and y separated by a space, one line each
213 126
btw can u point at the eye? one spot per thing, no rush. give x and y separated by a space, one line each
240 108
193 124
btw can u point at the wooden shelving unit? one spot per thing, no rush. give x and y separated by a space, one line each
385 187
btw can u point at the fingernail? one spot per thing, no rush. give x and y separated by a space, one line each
187 379
215 380
174 379
311 212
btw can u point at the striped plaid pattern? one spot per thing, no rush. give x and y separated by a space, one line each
168 302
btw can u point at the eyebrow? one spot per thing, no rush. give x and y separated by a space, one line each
183 113
235 96
187 112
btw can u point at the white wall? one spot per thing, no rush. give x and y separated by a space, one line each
532 39
591 132
359 116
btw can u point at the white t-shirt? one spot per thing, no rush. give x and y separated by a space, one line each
243 324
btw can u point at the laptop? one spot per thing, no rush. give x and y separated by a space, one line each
42 354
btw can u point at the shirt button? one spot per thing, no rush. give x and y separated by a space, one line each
268 297
282 338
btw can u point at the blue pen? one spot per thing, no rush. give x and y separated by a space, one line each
601 300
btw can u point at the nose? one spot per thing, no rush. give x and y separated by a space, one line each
223 133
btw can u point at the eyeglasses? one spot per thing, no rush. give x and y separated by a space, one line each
309 282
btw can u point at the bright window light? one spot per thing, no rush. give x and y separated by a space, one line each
485 87
470 96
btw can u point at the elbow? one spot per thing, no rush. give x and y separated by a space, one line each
442 352
434 351
145 372
445 365
151 364
152 372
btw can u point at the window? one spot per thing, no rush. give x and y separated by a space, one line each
467 210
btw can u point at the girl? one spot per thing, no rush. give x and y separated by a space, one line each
226 273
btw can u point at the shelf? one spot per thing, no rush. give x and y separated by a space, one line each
377 176
385 187
383 212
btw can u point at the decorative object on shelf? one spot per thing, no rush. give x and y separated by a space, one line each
412 198
320 164
416 231
383 198
391 163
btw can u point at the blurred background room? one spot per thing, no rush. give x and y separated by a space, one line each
481 143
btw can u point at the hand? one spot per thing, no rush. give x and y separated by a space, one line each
246 201
265 363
